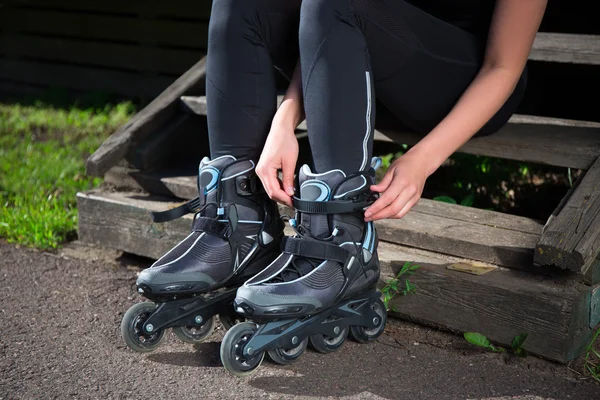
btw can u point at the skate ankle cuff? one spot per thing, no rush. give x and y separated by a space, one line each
314 249
333 206
177 212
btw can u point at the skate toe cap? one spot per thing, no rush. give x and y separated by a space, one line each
157 276
269 296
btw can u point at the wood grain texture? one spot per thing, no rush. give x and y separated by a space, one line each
455 230
129 57
107 27
552 141
571 239
199 9
566 48
148 120
501 305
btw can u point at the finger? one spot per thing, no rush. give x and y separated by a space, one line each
412 202
385 182
269 181
394 207
283 198
287 171
384 201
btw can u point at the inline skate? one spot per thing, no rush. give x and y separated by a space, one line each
236 232
323 286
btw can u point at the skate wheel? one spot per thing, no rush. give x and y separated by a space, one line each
288 356
363 335
195 334
327 344
131 329
229 319
231 350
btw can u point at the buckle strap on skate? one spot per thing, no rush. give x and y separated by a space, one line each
331 207
211 226
177 212
314 249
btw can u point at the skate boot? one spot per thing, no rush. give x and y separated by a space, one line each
322 287
236 232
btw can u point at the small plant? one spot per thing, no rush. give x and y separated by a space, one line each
482 341
467 201
392 288
592 358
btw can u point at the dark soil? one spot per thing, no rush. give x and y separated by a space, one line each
60 316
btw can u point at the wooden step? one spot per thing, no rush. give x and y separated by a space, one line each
571 238
566 48
554 312
543 140
451 229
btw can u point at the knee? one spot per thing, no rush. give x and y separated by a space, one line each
322 13
227 15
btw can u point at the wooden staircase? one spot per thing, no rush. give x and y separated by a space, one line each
485 271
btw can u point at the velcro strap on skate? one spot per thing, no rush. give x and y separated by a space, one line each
331 207
211 226
177 212
314 249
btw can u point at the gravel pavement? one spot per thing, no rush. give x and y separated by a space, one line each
60 339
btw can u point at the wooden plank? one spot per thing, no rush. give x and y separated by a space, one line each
148 120
501 304
102 54
83 78
566 48
482 235
526 138
504 247
571 240
179 9
550 141
124 223
106 27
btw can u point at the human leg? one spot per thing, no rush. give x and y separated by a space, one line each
247 40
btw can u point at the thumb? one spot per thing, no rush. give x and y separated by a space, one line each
385 182
287 170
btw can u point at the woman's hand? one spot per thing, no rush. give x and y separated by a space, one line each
280 153
401 188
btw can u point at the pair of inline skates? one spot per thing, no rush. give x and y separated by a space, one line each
273 293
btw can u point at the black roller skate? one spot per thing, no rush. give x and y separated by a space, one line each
236 233
324 284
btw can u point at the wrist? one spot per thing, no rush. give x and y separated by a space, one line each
426 159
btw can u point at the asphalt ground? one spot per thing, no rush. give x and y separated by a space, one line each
60 339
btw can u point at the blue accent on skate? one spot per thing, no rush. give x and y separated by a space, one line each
214 178
369 238
305 190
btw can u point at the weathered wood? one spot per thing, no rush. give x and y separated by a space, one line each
487 236
509 248
501 304
566 48
83 78
148 120
572 239
101 54
552 141
554 312
190 34
549 141
122 222
184 9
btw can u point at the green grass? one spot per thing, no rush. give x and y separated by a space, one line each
42 167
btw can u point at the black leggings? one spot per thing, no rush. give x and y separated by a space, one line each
354 54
